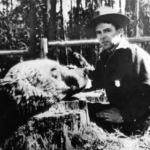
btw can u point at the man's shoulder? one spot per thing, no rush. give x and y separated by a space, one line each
125 48
132 48
139 51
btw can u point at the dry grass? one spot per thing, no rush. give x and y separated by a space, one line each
94 138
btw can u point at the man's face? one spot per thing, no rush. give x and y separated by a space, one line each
106 33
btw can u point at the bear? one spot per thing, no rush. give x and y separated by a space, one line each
28 81
31 87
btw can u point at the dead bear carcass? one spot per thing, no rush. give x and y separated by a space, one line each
36 84
31 87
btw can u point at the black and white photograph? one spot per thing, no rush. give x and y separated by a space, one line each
74 74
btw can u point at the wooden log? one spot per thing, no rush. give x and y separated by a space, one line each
54 128
97 96
49 130
41 134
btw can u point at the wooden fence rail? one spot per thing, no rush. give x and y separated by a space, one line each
45 43
11 52
94 41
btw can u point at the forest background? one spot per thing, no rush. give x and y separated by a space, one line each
24 22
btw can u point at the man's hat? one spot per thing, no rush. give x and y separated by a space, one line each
109 15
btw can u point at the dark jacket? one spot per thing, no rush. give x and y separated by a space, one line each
125 75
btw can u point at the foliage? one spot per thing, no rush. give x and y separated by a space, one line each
143 21
145 17
79 19
17 25
13 33
77 28
32 13
16 28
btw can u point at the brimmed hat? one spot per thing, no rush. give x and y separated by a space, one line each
109 15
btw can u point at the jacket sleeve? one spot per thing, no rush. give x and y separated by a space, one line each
97 76
138 102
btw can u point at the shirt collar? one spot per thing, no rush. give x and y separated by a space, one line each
123 44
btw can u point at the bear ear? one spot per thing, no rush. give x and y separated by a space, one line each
53 69
83 63
55 73
80 60
76 55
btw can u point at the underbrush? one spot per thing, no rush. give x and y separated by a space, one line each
93 137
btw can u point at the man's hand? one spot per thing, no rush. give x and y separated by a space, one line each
111 115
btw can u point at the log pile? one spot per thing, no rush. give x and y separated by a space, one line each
53 129
49 130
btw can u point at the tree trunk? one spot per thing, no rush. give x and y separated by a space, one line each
87 2
32 21
60 23
78 3
52 20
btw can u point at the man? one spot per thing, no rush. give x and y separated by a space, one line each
123 70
